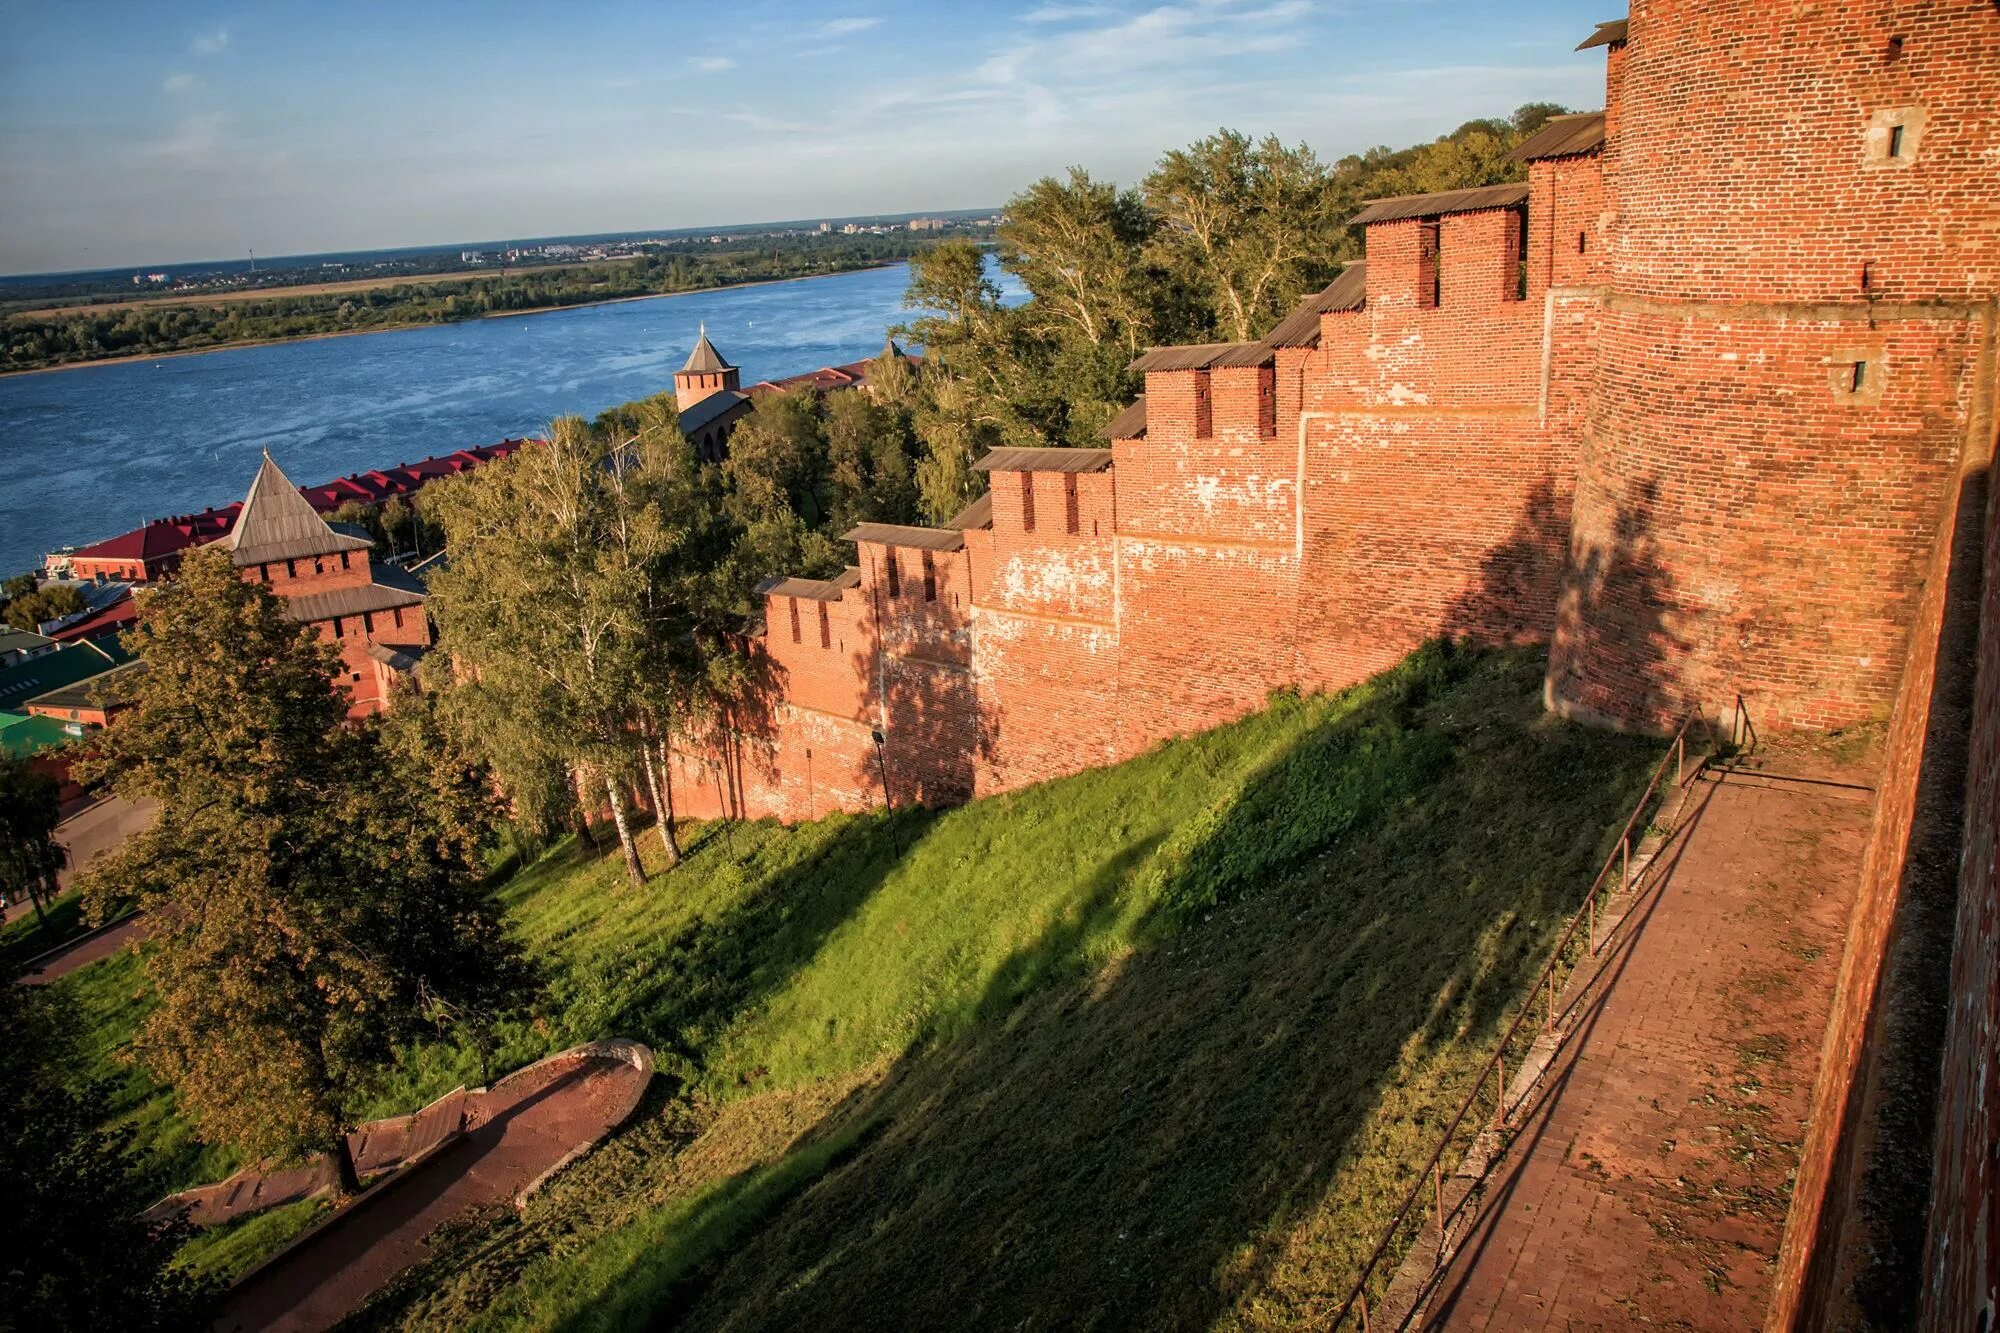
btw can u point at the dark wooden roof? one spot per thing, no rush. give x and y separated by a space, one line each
1563 136
896 534
401 660
1607 34
1349 291
704 359
1130 423
1447 201
978 514
392 587
704 411
277 523
1044 460
1202 356
818 590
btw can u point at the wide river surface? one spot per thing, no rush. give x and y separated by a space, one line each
91 452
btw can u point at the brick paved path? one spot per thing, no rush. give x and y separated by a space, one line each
528 1123
1649 1181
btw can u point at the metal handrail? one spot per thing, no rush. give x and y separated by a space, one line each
1432 1173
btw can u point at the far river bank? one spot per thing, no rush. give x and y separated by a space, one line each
399 326
108 445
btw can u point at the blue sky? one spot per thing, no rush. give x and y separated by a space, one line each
158 132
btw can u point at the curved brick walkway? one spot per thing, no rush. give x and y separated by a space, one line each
525 1125
1647 1186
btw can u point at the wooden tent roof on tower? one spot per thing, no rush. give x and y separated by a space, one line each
704 359
278 523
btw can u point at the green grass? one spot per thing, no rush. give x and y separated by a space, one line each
228 1251
108 999
1157 1044
27 935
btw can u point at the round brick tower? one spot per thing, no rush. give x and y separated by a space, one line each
1795 351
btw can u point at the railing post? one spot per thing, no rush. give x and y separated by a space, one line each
1680 757
1500 1088
1437 1185
1364 1312
1549 1023
1590 922
1625 864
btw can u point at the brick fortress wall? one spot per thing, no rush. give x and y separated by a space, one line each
1698 407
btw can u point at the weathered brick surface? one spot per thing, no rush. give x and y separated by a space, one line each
1743 520
1962 1260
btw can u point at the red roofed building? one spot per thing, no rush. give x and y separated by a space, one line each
153 552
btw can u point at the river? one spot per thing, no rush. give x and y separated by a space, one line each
90 452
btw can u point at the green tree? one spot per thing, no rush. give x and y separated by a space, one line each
74 1251
1254 222
30 809
1078 245
310 907
53 602
547 608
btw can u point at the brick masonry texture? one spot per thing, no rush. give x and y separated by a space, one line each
1699 418
1962 1260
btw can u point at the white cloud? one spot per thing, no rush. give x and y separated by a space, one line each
846 27
210 43
194 139
711 64
179 83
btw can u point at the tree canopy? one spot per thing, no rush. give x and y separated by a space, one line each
74 1251
315 895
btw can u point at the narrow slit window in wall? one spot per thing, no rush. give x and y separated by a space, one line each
930 578
795 618
1027 502
1430 279
825 628
1072 522
895 577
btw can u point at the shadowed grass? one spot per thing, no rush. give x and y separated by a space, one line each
1154 1045
228 1251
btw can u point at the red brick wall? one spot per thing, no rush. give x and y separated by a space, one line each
1808 1280
1745 206
1439 448
1045 632
1962 1260
1207 564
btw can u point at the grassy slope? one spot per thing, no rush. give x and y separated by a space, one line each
1151 1045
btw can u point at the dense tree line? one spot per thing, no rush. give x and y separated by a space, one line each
1218 243
29 342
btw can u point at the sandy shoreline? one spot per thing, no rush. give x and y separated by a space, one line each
433 324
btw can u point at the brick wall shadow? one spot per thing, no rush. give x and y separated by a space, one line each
1614 658
1863 1261
1514 600
934 732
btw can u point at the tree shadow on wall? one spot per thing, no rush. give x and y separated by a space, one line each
925 707
1152 1143
1600 604
742 750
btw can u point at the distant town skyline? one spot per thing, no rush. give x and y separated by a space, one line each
148 134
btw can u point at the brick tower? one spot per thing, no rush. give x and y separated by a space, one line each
1802 227
704 374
